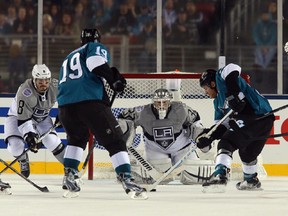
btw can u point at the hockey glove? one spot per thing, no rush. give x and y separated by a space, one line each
120 82
31 140
236 102
204 142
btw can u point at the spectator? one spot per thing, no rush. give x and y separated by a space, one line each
169 18
17 67
124 20
195 21
11 15
180 29
32 20
80 17
67 26
272 9
5 28
55 13
48 28
147 58
143 18
20 25
265 39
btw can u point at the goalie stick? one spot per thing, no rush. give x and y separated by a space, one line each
25 151
154 185
42 189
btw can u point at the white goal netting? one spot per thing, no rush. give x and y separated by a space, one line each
139 90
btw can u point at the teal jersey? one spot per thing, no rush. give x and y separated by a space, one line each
259 103
77 82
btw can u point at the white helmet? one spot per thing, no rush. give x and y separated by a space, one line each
162 101
41 71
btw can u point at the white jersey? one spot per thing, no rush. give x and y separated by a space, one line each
31 107
170 134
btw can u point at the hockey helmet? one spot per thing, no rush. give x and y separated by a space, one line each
41 77
207 77
41 71
161 101
90 35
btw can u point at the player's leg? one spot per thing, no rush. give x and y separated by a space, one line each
15 144
77 137
223 162
108 133
52 142
249 152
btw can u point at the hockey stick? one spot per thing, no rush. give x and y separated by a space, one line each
272 112
83 169
42 189
38 141
194 147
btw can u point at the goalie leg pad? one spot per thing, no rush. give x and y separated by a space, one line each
197 172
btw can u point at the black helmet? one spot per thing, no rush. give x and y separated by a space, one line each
90 35
207 77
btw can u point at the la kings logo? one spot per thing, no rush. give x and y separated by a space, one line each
164 136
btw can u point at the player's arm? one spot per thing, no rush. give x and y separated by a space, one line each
234 96
115 80
25 104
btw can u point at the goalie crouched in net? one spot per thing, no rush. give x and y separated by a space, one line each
169 128
239 131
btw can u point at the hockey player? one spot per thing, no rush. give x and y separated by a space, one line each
28 118
84 104
240 131
168 129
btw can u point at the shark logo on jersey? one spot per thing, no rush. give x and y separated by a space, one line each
164 136
27 92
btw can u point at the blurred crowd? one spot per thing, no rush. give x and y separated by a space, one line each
183 20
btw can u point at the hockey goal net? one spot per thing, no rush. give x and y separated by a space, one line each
140 87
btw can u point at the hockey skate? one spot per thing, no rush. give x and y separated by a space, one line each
250 182
71 183
217 181
132 189
5 188
24 165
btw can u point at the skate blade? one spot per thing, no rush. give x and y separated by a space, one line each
138 196
70 194
250 189
214 188
6 191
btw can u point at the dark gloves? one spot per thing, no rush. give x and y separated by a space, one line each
236 101
31 139
204 142
119 83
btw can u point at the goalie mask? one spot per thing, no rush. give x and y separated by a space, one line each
162 101
90 35
41 77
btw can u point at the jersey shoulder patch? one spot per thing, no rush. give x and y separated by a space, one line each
54 82
27 92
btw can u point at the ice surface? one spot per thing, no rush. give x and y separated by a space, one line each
107 197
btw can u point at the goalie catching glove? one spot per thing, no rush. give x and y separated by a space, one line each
31 140
204 142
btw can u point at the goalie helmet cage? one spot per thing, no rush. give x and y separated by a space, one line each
140 87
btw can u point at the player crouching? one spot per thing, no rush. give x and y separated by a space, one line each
169 128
